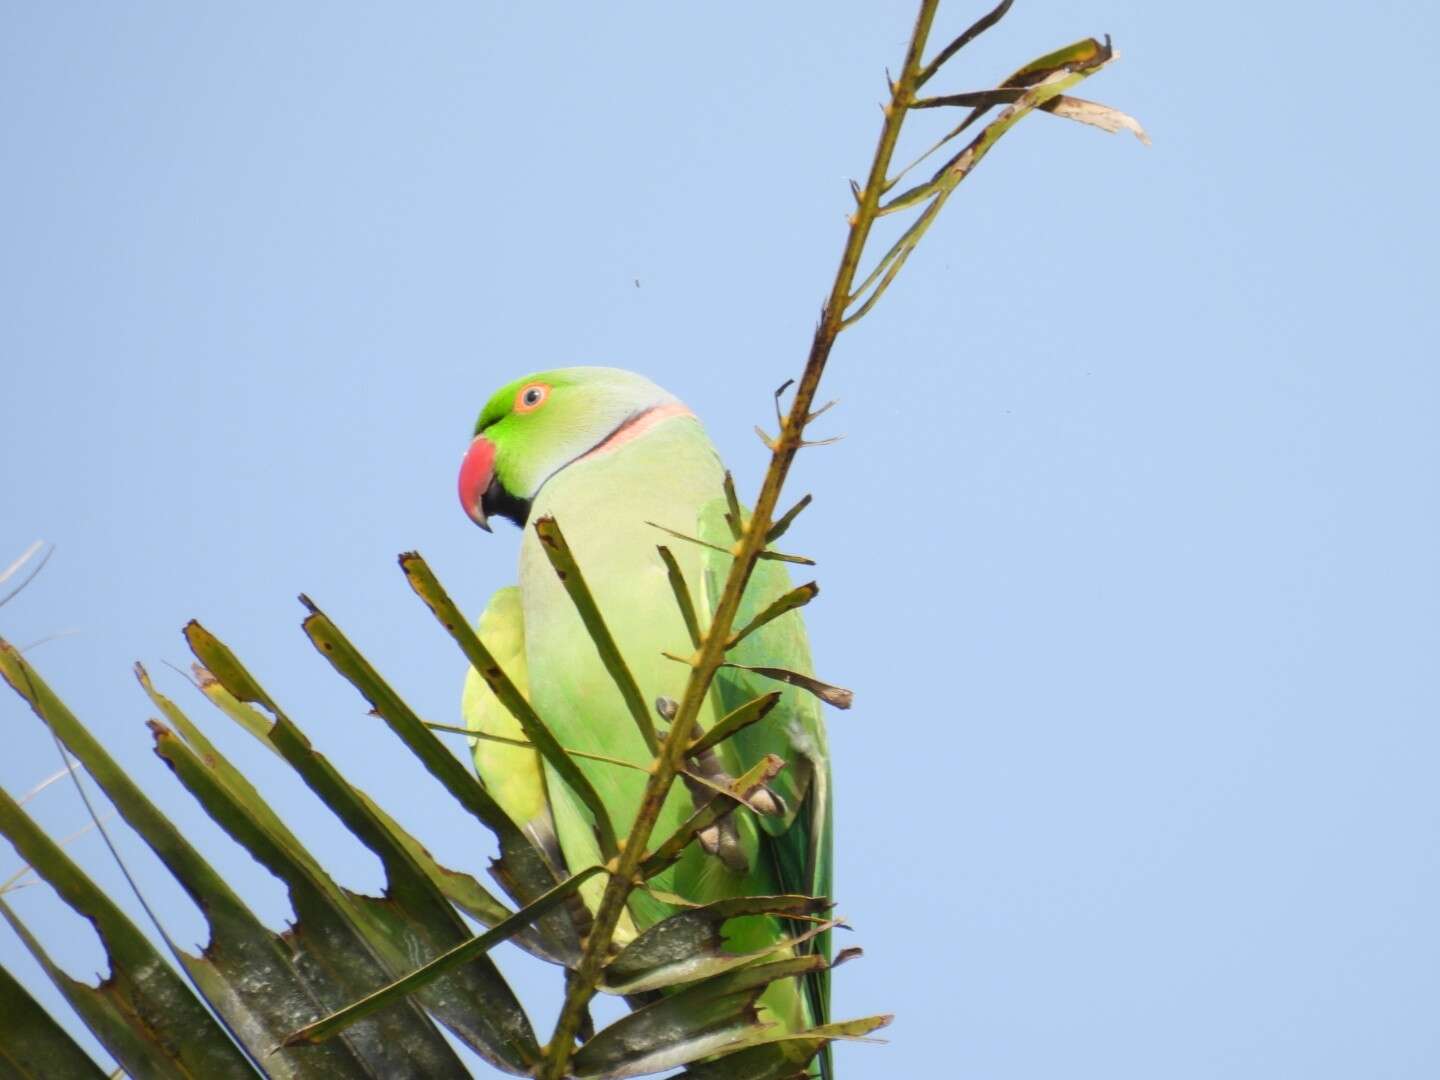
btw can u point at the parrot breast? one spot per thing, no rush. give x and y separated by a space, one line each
604 503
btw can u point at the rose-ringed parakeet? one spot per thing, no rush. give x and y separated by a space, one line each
606 453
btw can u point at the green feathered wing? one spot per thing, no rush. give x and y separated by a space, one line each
515 775
511 773
798 843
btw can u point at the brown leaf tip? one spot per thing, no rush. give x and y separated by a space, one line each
846 955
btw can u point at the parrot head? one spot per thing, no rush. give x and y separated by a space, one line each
537 425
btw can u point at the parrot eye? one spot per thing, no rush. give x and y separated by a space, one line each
531 397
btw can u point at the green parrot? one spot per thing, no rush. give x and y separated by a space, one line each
606 452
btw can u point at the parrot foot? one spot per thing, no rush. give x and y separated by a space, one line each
721 839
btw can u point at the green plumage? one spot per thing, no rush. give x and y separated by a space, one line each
605 483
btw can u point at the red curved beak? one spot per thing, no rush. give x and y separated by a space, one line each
476 472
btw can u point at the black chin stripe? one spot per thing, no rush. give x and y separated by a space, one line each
497 502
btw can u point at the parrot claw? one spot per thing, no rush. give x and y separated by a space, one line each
723 841
766 802
731 853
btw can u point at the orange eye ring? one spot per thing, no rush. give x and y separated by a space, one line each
532 396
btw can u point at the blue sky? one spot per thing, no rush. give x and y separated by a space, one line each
1129 553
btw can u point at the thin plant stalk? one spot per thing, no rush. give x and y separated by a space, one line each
708 658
